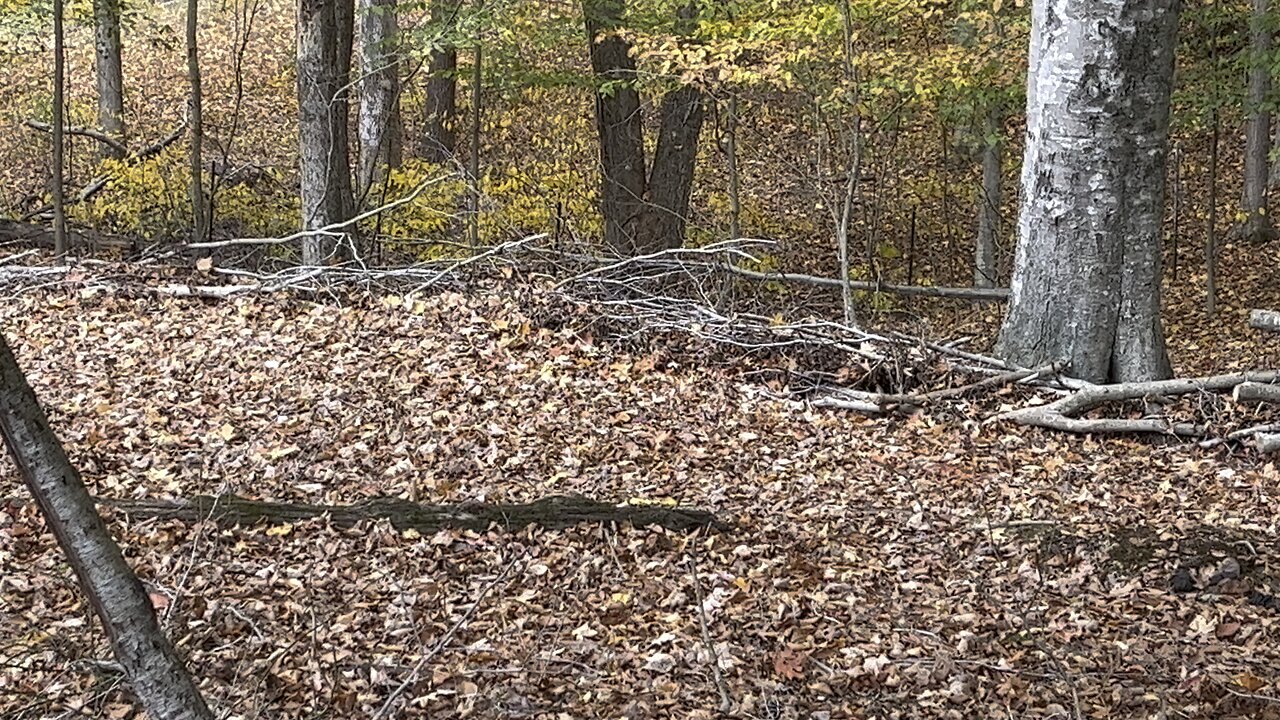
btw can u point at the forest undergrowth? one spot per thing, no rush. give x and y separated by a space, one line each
936 566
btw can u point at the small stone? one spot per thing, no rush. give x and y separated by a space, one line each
1182 582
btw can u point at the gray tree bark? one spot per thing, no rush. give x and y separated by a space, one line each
1086 278
110 78
59 120
199 218
322 121
379 124
440 139
990 198
1257 226
117 597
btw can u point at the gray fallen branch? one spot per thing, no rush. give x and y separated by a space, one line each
1256 392
1064 414
876 403
973 294
1265 320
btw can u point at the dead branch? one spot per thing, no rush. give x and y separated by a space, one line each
726 702
973 294
113 143
552 512
1064 414
96 185
876 403
1265 320
1256 392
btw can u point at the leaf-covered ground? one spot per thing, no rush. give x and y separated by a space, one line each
933 567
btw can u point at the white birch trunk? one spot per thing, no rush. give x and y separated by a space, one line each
1086 279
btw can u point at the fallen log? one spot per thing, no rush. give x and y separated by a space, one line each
875 403
37 235
1267 442
1256 392
558 511
1265 320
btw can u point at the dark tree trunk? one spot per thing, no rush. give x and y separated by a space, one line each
643 212
1086 279
674 160
119 600
620 124
322 122
440 139
106 25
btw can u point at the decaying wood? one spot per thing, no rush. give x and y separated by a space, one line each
552 512
1265 320
37 235
1064 414
1267 442
101 137
1256 392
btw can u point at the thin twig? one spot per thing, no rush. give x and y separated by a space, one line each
726 703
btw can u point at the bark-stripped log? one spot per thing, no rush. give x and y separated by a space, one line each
1265 320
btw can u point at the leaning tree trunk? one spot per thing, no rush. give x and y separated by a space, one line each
440 139
379 91
322 124
106 24
119 600
985 272
1257 225
674 159
620 124
1086 279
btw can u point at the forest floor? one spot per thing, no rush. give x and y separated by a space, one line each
937 566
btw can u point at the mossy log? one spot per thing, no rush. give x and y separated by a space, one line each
558 511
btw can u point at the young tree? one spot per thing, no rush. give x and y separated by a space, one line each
106 24
324 61
118 599
644 209
59 118
380 131
1086 278
990 197
199 218
440 139
1257 225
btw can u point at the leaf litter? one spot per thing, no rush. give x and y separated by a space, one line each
886 568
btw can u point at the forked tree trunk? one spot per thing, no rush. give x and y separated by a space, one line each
644 211
1086 279
990 198
440 139
110 79
379 91
1257 225
322 122
119 600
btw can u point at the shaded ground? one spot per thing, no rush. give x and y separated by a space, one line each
884 568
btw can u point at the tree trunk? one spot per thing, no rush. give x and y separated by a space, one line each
199 219
473 152
379 90
985 270
106 25
119 600
620 124
322 123
671 178
1086 279
440 140
59 119
1257 226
